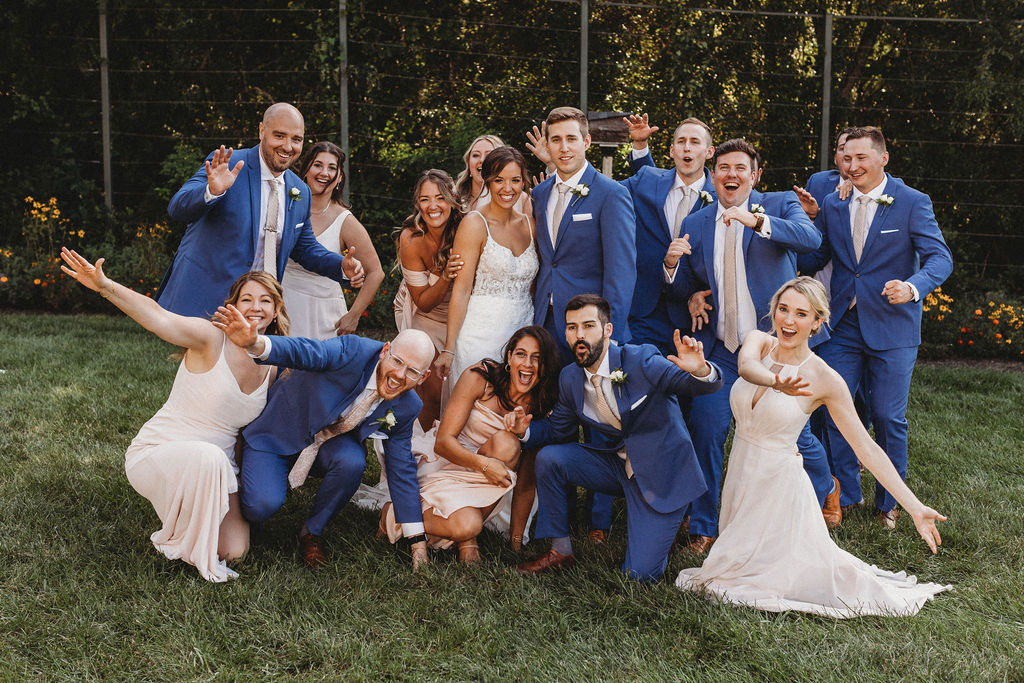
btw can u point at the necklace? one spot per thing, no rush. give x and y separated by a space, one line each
321 213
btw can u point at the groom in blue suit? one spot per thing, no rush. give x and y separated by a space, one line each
339 393
887 253
231 209
765 232
662 198
629 395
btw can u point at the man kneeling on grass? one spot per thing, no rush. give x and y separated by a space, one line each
639 446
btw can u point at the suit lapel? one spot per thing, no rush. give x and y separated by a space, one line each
755 198
707 243
252 169
880 213
621 395
575 202
540 199
846 229
661 190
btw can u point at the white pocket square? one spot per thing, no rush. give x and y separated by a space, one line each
582 216
639 401
299 225
886 232
378 435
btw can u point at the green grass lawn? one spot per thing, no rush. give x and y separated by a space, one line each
83 594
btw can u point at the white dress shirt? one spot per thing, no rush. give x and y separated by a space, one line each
573 181
746 315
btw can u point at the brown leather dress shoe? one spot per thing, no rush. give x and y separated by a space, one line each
548 561
597 536
831 511
888 519
700 545
312 553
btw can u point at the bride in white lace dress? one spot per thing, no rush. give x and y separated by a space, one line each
774 552
491 297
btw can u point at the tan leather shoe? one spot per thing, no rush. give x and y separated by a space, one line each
700 545
597 536
547 562
831 511
312 553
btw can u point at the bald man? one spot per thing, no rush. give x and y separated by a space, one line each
340 393
246 211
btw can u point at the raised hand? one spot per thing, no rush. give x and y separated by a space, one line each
677 248
219 174
639 129
689 355
85 273
352 268
537 142
807 202
925 520
236 328
699 307
794 386
517 421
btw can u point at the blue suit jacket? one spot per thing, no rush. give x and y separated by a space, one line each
328 376
648 188
653 430
770 263
903 243
821 185
220 242
595 252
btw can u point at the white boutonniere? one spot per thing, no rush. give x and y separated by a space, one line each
618 377
706 197
295 194
886 200
581 190
756 208
388 421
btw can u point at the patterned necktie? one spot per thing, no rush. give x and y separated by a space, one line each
731 304
270 233
604 411
300 470
682 210
556 219
860 231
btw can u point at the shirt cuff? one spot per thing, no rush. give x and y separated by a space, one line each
670 275
209 196
266 348
913 290
766 228
525 436
639 153
710 377
412 529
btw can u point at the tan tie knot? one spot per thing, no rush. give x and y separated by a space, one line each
863 199
563 188
596 381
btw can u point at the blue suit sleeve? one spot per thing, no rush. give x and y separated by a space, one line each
313 256
936 259
189 203
308 354
793 229
646 160
559 427
400 467
618 242
668 378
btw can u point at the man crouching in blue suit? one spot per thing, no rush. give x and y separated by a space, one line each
341 392
628 395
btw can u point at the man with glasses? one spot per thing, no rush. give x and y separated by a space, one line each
339 393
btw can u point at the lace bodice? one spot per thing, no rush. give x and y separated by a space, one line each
500 273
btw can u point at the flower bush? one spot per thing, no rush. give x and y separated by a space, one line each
982 327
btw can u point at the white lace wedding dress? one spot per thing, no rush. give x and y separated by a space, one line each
774 552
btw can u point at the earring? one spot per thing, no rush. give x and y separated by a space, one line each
508 368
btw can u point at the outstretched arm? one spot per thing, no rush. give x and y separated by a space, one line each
192 333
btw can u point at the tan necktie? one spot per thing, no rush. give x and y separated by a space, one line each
730 307
860 231
682 210
270 233
604 411
300 470
563 200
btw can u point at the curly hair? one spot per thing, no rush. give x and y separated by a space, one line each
545 392
415 222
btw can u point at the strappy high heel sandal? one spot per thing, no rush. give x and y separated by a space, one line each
469 552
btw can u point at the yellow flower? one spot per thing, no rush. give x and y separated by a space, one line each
81 233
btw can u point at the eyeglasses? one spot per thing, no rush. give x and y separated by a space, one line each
405 368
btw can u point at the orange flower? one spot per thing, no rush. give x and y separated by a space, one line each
998 336
977 311
3 278
963 330
36 281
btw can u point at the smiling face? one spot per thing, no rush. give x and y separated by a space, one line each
567 146
401 367
524 365
733 176
477 153
507 186
256 303
691 148
323 174
794 320
281 134
866 163
587 336
434 208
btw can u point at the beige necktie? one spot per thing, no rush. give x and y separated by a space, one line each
730 307
860 231
270 232
682 210
604 411
563 200
300 470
